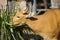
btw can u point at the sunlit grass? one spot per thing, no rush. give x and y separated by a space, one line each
6 29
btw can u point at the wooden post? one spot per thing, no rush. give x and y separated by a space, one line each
34 7
11 5
58 3
30 8
45 3
54 4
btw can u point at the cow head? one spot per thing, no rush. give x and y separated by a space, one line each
20 18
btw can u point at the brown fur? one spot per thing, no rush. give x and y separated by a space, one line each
46 25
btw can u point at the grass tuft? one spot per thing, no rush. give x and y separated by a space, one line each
7 31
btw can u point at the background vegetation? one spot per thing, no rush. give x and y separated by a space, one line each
7 31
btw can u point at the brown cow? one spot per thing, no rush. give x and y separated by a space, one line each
46 25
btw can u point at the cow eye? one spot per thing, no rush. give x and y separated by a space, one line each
25 14
18 16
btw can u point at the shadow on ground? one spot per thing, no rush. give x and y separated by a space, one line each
29 34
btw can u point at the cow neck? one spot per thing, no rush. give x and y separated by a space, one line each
27 21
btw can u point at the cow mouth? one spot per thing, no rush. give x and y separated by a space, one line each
16 25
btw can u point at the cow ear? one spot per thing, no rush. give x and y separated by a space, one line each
31 18
25 13
25 10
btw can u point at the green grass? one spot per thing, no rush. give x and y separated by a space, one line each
7 31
